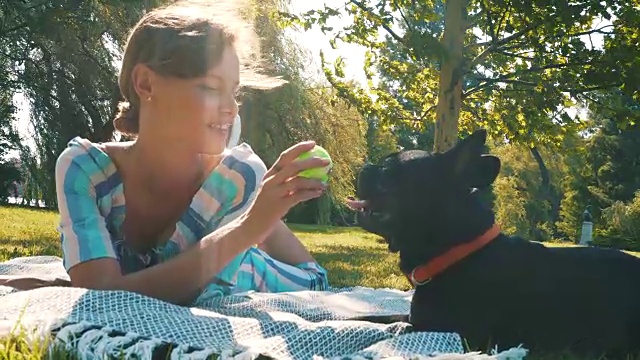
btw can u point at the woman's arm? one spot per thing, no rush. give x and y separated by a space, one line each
283 245
178 280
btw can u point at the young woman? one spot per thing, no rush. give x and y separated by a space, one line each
174 214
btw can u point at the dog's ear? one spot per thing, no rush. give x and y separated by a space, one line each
484 172
467 151
470 164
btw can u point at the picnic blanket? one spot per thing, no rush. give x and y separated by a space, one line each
295 325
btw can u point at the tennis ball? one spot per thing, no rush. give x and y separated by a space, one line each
321 173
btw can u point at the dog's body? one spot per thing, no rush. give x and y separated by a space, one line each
490 288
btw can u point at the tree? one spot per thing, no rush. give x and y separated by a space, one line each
521 204
613 151
301 110
62 61
512 67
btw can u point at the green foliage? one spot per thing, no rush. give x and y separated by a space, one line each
60 56
524 63
521 204
622 229
299 111
614 149
575 189
380 142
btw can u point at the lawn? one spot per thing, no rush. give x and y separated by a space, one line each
351 256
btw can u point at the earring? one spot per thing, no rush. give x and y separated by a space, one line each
149 98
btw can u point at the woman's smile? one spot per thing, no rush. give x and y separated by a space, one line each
221 129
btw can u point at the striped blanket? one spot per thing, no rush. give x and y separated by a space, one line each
296 325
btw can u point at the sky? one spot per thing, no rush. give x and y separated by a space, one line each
315 41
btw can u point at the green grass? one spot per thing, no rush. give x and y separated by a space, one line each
352 257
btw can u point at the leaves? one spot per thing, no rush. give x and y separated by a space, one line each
524 62
62 60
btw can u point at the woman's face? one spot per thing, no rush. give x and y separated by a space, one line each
198 113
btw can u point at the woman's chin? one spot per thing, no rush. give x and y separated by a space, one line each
215 144
213 149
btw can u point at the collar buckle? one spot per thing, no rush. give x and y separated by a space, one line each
414 281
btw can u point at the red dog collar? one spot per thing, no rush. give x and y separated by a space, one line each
422 274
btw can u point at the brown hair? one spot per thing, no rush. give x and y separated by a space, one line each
185 40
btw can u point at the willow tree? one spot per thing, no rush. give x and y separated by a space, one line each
513 67
300 110
60 56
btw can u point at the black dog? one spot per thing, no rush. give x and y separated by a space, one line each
490 288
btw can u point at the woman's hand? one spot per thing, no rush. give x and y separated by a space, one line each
281 188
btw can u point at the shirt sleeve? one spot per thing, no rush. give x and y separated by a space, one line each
83 230
247 170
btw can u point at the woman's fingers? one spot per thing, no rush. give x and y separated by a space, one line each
298 184
304 195
289 155
295 167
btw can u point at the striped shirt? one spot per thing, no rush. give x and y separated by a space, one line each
92 209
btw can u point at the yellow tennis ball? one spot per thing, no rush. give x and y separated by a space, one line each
321 173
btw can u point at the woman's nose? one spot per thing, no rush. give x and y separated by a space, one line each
230 105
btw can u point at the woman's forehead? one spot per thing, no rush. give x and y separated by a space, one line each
227 69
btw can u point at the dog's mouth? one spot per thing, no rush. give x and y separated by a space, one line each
372 205
367 209
375 220
376 214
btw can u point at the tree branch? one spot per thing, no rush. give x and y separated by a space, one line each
494 44
502 17
490 83
593 31
510 54
406 21
388 29
384 26
25 24
502 78
492 32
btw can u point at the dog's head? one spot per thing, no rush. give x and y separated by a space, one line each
416 194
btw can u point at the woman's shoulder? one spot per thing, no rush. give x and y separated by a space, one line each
85 157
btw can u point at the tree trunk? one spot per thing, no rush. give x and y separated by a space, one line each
450 93
549 191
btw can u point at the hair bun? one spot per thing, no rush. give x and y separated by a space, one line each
127 120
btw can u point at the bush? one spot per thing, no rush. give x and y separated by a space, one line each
620 225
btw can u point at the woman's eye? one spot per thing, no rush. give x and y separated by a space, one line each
209 89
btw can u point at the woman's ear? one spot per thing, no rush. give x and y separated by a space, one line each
141 80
